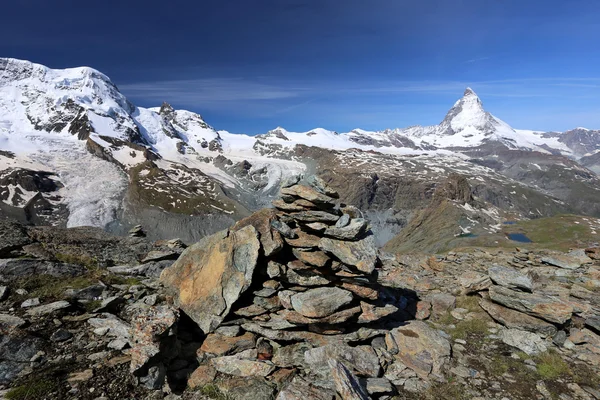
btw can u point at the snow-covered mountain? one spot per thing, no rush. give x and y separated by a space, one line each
75 151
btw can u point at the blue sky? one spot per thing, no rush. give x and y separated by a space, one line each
249 66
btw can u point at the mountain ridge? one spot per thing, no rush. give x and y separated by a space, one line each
171 169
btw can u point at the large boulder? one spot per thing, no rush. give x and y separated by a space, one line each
420 347
549 308
211 275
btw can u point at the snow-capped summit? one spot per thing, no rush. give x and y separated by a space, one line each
467 114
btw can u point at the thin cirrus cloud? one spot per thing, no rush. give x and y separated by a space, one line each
224 90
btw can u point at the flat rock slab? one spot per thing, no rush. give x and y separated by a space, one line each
420 347
16 268
114 326
321 302
308 193
564 262
361 254
300 389
510 278
525 341
316 258
315 216
518 320
548 308
233 365
352 231
212 274
361 360
9 322
270 238
48 308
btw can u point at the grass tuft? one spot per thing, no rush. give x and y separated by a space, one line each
35 389
550 366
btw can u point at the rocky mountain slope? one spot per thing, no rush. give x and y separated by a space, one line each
75 152
292 302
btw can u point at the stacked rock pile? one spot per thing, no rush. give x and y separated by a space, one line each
285 280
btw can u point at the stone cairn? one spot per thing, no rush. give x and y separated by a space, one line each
287 280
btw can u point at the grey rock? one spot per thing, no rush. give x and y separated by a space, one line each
148 328
16 268
548 308
283 228
305 278
89 293
442 303
361 254
155 377
291 181
233 365
30 302
321 302
321 186
117 344
116 327
473 282
48 308
564 262
110 304
379 386
9 322
291 356
4 292
352 231
274 269
61 335
593 323
361 360
559 338
300 389
421 348
12 237
229 331
346 384
308 193
314 216
518 320
15 354
160 255
510 278
525 341
343 222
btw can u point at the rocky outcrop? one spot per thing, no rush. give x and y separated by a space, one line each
211 275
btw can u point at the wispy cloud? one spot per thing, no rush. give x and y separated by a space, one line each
473 60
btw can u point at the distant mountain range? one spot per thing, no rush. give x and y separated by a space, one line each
74 151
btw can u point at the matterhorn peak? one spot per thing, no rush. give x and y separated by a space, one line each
469 92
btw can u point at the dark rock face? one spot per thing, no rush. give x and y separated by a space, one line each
13 269
91 244
15 353
12 236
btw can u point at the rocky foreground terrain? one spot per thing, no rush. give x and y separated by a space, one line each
292 302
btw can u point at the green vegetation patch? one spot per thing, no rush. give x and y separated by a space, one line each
551 365
34 389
